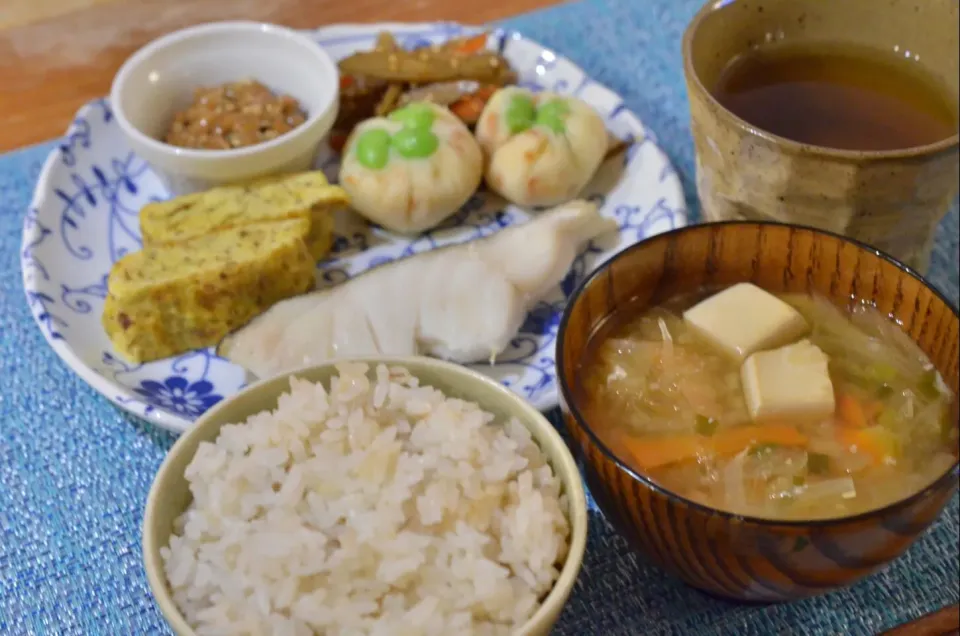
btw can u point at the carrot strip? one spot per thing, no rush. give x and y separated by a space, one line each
876 442
468 108
471 44
850 412
650 453
660 451
734 440
485 92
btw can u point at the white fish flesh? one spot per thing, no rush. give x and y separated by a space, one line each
463 303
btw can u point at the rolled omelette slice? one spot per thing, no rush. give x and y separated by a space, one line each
306 195
169 299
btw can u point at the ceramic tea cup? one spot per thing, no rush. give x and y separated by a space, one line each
891 199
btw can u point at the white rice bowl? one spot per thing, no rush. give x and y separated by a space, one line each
377 507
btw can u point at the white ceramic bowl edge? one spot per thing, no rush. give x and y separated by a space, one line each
160 78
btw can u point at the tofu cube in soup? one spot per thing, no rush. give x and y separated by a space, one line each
788 383
744 319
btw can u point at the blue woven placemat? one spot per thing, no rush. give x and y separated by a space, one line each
74 471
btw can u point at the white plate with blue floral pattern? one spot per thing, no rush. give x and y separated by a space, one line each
83 217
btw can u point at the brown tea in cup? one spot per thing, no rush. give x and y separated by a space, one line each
839 96
836 115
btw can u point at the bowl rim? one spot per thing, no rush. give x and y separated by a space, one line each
326 70
571 403
563 464
942 146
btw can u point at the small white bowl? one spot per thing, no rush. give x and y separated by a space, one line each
159 80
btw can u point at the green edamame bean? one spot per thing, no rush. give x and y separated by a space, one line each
520 114
414 116
415 143
552 115
373 148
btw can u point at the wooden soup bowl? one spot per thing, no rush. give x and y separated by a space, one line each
736 557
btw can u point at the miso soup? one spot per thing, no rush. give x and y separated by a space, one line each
670 403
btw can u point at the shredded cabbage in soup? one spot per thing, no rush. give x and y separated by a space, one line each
671 406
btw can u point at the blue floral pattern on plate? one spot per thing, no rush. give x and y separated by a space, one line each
179 395
84 217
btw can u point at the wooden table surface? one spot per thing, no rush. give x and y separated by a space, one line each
56 55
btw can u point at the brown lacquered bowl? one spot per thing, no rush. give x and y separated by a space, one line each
720 553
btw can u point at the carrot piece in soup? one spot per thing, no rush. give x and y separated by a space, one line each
875 442
851 412
654 452
660 451
735 440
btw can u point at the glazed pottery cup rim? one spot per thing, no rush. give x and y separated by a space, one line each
784 144
569 399
461 380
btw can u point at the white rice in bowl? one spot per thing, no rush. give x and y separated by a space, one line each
377 507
